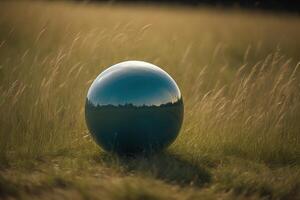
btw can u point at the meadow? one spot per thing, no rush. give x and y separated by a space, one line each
238 71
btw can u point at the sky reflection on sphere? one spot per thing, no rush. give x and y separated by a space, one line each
134 107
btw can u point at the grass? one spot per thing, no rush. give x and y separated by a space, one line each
238 72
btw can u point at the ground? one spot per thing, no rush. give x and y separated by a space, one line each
238 72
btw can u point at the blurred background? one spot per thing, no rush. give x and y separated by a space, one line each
273 5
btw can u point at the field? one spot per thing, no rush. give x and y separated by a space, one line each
238 71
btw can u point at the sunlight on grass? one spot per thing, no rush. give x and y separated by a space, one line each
238 72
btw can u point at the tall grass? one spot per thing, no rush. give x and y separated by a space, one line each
238 72
256 115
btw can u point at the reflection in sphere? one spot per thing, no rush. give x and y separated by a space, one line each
134 107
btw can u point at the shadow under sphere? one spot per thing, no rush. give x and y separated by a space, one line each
134 107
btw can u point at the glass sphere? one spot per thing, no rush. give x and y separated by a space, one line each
134 107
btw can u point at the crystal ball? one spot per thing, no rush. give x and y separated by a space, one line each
134 107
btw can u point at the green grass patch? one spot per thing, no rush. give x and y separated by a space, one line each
238 72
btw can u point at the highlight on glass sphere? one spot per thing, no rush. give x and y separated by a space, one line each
134 107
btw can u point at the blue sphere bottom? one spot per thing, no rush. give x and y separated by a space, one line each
128 129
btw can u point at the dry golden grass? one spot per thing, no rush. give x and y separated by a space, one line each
239 73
